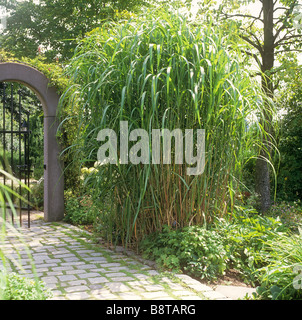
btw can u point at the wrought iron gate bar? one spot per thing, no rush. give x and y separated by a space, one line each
14 131
23 167
3 119
12 137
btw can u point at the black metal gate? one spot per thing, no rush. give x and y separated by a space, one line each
14 144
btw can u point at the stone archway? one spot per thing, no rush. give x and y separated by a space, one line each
53 167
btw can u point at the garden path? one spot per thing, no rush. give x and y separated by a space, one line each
76 268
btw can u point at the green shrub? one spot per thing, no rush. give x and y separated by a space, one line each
16 287
80 210
244 236
262 248
278 277
290 171
290 213
195 250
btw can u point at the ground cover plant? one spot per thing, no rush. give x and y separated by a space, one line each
263 250
194 250
80 210
16 287
280 278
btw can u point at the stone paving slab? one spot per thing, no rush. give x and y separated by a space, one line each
77 269
235 292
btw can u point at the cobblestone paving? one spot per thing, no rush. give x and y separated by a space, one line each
75 268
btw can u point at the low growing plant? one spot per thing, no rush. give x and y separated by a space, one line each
244 235
280 278
194 250
16 287
290 213
80 210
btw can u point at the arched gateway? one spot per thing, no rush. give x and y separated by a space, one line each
53 168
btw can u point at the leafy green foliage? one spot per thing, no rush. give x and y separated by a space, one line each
52 71
195 250
290 213
17 287
284 255
290 146
5 55
56 25
79 211
244 236
261 248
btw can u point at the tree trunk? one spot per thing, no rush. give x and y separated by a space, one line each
262 178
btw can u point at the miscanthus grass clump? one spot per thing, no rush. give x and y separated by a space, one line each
163 72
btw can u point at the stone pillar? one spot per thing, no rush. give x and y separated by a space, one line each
53 173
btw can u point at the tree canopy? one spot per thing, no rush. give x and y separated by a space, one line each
54 26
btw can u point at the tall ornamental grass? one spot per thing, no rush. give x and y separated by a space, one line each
155 73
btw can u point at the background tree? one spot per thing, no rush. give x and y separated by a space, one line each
271 33
54 26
